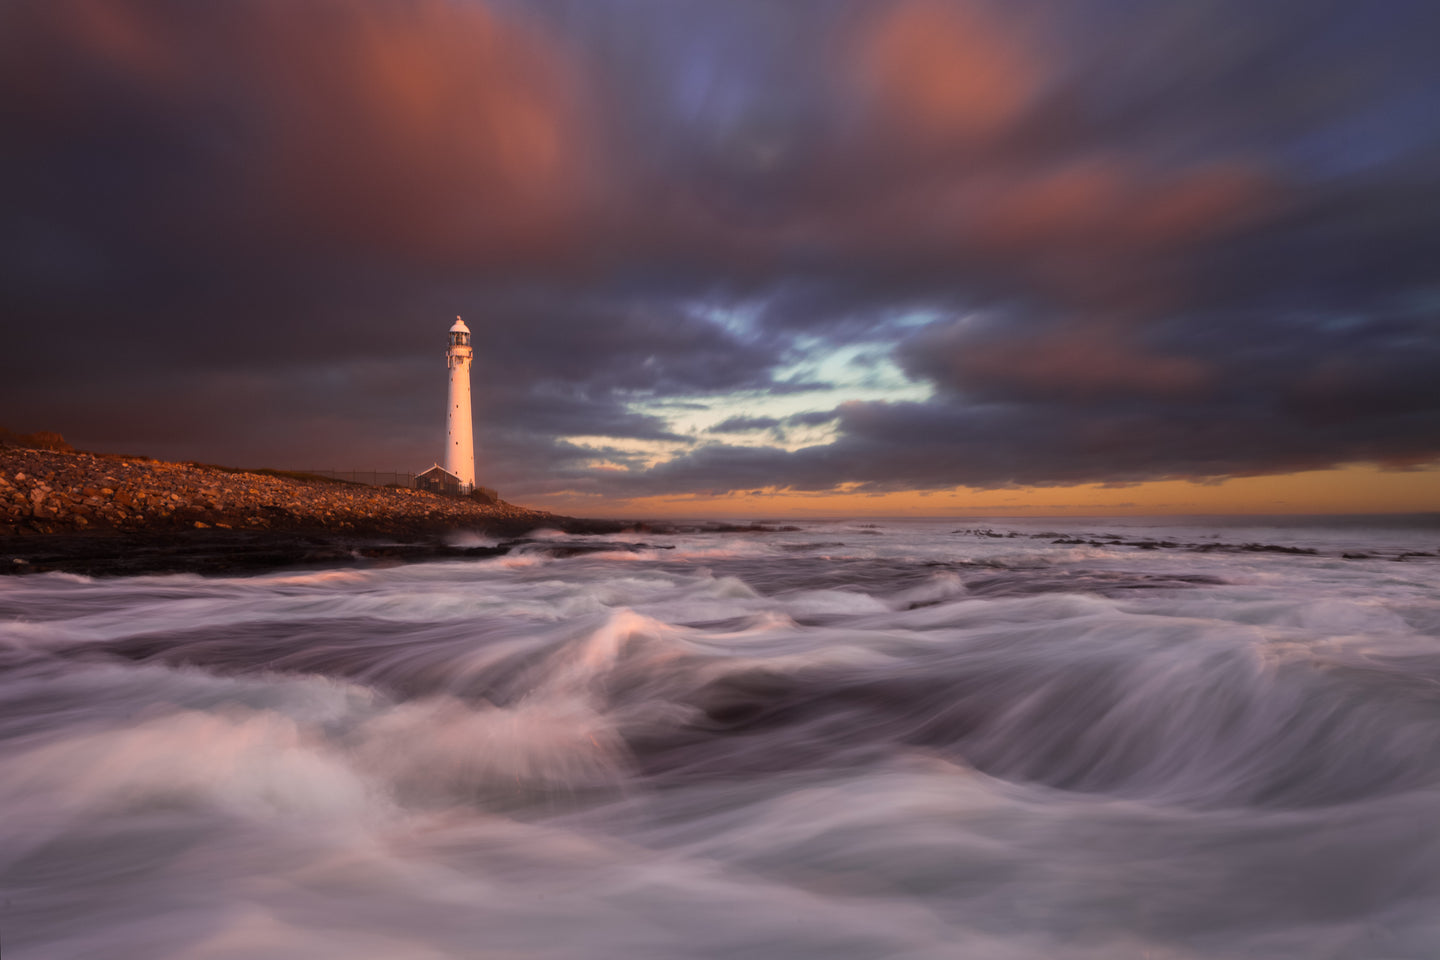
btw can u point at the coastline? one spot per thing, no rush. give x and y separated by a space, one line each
101 514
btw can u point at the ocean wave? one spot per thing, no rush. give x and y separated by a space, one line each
939 745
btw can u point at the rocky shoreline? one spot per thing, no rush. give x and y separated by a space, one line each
103 514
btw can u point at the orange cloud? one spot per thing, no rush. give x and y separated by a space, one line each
946 71
433 129
1118 203
1070 204
1202 202
951 92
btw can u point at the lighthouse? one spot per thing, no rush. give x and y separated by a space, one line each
459 435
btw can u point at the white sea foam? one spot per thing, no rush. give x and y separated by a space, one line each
848 741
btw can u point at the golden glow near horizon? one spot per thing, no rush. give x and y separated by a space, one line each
1360 488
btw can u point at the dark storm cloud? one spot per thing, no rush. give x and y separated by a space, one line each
745 424
816 419
1121 240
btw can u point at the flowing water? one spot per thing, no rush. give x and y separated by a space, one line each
852 739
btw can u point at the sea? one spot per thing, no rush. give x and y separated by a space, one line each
1080 739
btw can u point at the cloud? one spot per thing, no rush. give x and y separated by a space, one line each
745 424
814 419
1107 243
910 446
424 129
1076 362
945 71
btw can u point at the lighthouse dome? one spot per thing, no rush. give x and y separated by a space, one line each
459 326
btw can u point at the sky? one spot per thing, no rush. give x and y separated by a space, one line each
740 257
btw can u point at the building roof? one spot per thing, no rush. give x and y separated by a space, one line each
429 470
459 326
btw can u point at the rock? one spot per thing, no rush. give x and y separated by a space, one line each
130 500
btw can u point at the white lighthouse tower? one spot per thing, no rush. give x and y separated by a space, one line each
459 435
